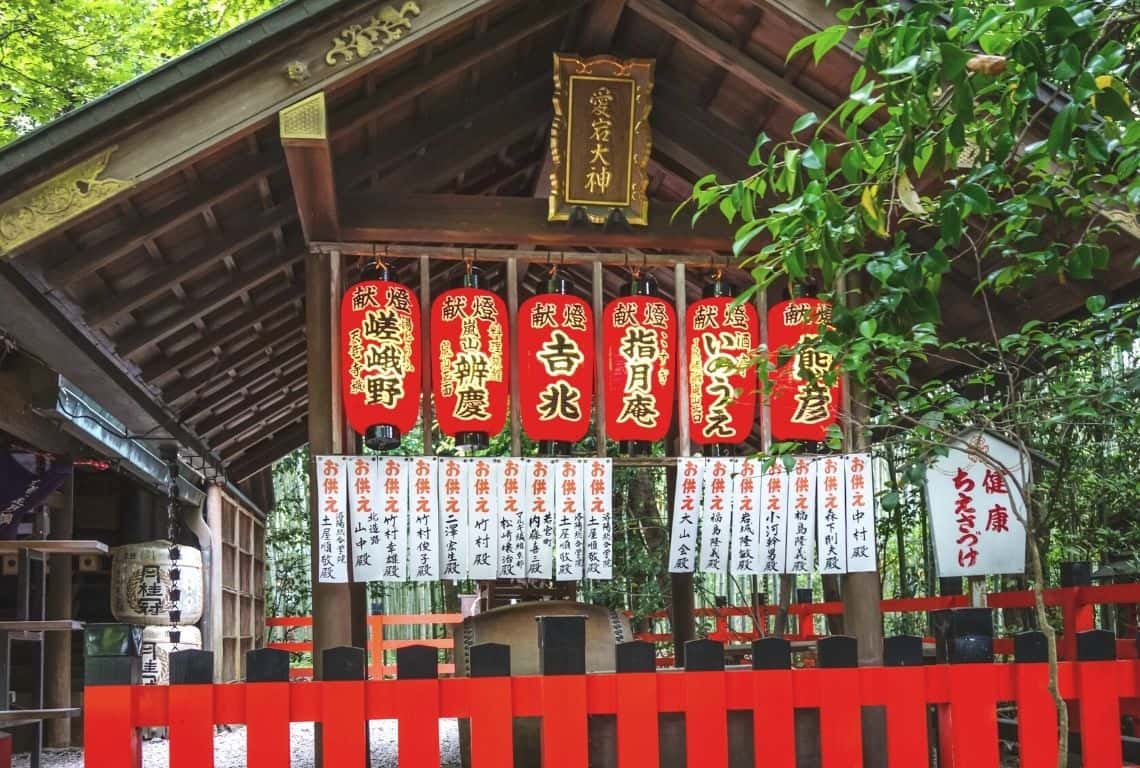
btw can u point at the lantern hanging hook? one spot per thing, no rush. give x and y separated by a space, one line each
633 270
717 271
468 261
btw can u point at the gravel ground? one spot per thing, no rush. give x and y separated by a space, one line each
229 748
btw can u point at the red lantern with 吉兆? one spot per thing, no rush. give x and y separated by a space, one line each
639 344
722 336
804 404
556 359
380 358
470 339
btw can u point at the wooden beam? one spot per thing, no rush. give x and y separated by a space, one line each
287 414
600 26
235 392
259 453
273 411
304 137
696 139
723 54
236 284
25 384
56 659
529 19
472 219
276 390
243 326
280 343
215 250
465 145
240 177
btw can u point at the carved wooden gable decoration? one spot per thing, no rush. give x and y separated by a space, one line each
600 140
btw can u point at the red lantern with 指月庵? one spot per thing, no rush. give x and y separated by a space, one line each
722 336
380 357
556 367
805 391
639 343
470 339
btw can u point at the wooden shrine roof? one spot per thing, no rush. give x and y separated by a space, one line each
181 264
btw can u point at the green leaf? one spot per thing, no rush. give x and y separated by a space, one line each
852 164
868 327
1111 104
754 158
907 66
890 501
1062 130
828 38
1059 25
951 223
745 235
728 208
804 121
953 60
801 44
1095 304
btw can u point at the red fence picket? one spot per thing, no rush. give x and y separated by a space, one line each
967 694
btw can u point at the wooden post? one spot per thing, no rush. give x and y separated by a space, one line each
681 584
332 603
57 645
214 580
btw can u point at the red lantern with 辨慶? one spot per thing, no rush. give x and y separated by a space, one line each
722 337
803 403
639 343
556 367
469 337
380 357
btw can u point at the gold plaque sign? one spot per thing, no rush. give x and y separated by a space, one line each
600 140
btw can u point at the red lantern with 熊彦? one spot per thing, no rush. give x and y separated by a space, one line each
803 403
470 340
380 357
556 359
722 336
639 343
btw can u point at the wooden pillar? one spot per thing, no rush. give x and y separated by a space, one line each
216 640
681 584
332 603
57 645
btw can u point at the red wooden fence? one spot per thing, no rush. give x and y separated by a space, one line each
966 696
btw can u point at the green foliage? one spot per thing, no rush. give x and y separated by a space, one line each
56 55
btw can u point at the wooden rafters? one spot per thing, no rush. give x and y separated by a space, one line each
217 402
259 451
725 55
700 142
237 284
600 26
304 137
472 219
270 401
185 387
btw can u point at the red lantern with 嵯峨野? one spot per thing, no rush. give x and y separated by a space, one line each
556 359
722 336
380 357
803 404
470 338
639 342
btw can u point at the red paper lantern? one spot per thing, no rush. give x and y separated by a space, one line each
556 376
469 371
803 405
722 377
640 349
380 358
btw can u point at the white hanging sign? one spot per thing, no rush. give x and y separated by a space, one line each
686 508
423 531
569 520
453 501
538 509
774 519
746 491
599 518
860 496
332 522
831 506
364 519
393 499
976 508
512 529
801 516
483 521
716 516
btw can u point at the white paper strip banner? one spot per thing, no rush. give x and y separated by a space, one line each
801 516
774 519
831 515
746 488
332 520
538 499
453 500
599 518
364 513
483 521
423 532
716 516
512 528
393 486
860 500
686 509
570 520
